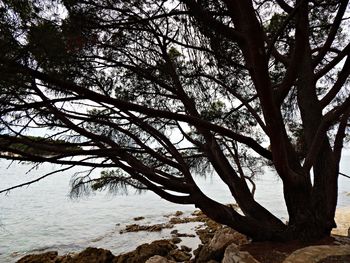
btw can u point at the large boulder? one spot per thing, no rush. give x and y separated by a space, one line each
89 255
225 236
179 255
46 257
92 254
143 252
159 259
314 254
214 250
233 255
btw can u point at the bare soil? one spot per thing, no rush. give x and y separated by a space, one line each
268 252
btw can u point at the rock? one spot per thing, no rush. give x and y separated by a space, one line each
233 255
178 213
349 232
197 213
196 218
205 254
185 235
174 232
179 255
151 228
204 235
197 250
47 257
159 259
176 240
314 254
91 254
139 218
216 247
186 248
177 220
145 251
225 236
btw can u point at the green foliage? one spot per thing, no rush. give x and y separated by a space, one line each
174 54
214 111
47 45
276 22
115 181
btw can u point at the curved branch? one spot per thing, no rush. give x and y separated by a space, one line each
290 16
332 33
35 180
347 176
345 52
321 133
342 77
339 138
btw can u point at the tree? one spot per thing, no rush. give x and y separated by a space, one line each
157 91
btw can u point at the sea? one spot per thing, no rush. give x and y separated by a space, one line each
43 217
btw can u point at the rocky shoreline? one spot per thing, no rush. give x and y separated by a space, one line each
218 244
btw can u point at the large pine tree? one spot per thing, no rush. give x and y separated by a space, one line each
158 91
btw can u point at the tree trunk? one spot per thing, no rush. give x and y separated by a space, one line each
311 208
305 222
325 190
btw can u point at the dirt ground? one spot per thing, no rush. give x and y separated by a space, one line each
267 252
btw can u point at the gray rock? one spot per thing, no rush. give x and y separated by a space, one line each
39 258
176 240
180 256
92 254
145 251
222 239
186 248
159 259
233 255
216 247
174 232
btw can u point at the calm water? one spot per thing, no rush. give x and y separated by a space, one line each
42 216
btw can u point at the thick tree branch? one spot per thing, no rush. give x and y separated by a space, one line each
338 85
329 66
339 138
321 133
286 8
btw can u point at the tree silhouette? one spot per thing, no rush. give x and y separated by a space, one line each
158 91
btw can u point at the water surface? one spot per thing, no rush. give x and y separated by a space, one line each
42 216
